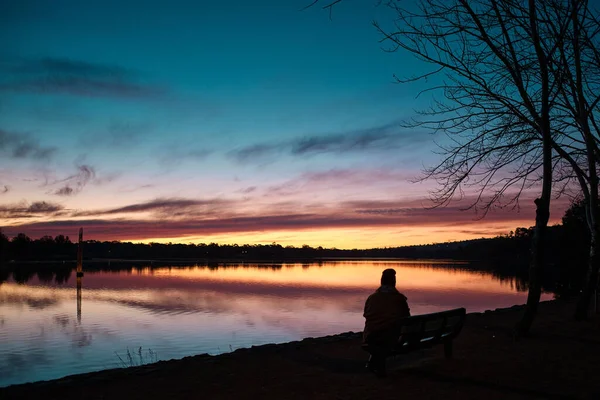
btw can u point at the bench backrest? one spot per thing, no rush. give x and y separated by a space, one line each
431 328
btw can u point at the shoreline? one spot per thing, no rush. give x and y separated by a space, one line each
190 261
485 354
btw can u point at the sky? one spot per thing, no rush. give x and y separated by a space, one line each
228 122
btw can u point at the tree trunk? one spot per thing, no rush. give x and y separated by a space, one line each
542 211
582 116
591 281
536 266
538 243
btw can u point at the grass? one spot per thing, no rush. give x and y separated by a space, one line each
134 359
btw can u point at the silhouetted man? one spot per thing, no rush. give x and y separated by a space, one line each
383 311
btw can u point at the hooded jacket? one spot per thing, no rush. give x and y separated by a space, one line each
383 309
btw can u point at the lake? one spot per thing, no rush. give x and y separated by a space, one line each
52 325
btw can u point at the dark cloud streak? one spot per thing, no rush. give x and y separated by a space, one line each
71 67
119 135
180 217
23 146
64 191
381 138
255 153
136 229
24 210
85 87
248 190
161 205
175 156
335 179
78 78
76 182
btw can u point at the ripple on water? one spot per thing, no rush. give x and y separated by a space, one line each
45 332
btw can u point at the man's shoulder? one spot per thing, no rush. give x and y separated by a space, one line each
372 295
387 294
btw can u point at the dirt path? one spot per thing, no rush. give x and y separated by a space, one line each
559 361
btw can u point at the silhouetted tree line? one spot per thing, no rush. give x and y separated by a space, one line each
506 255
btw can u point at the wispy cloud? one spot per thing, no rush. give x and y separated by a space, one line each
86 87
383 211
75 77
420 212
247 190
381 138
161 204
172 207
136 229
176 154
44 207
256 152
184 217
29 210
336 179
129 189
69 66
117 135
64 191
75 183
22 145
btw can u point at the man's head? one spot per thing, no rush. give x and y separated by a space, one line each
388 277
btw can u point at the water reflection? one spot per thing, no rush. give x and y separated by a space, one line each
79 300
61 273
178 311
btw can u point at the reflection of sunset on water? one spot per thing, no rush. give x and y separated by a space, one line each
179 311
410 274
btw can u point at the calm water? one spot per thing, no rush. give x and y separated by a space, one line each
48 331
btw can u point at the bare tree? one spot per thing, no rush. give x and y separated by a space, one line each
521 81
328 6
494 56
493 60
577 69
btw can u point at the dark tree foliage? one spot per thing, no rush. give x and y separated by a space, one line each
3 246
505 256
512 249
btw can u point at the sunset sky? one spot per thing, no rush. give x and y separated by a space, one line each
230 122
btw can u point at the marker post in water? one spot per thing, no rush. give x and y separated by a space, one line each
80 254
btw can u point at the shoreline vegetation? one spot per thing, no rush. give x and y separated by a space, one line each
557 361
22 248
566 243
504 257
566 249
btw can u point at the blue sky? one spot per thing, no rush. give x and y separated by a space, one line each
205 113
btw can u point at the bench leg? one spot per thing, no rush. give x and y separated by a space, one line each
448 349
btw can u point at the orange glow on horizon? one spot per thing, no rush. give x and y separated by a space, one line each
352 238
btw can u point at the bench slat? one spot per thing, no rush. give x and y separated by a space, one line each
427 330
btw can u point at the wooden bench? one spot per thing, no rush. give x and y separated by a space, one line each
427 330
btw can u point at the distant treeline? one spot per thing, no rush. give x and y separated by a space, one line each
23 248
566 252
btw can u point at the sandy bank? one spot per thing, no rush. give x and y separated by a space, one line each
559 360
